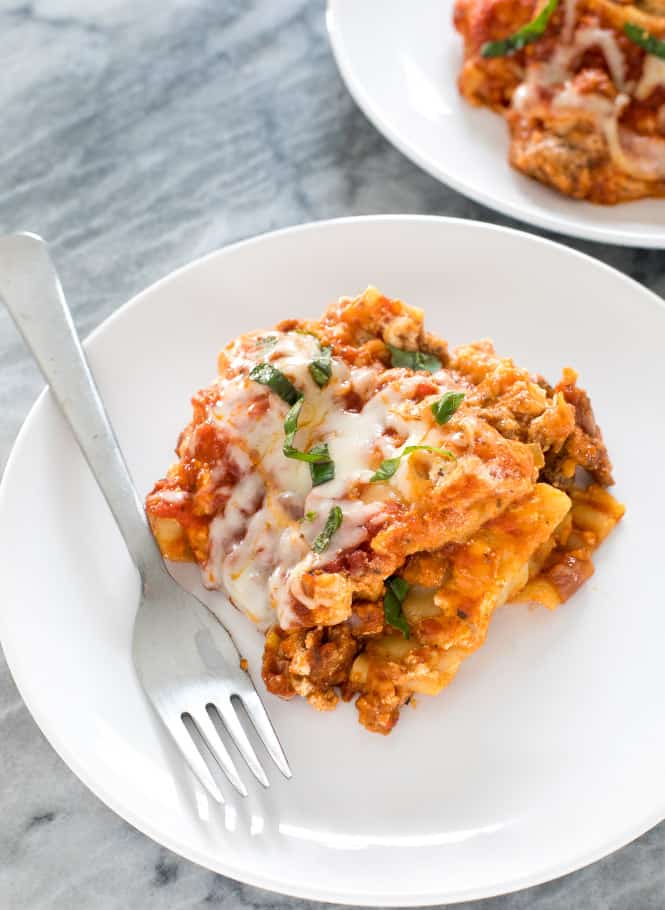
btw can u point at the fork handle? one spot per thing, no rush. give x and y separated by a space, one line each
31 290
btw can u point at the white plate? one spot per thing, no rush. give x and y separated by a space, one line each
547 750
400 62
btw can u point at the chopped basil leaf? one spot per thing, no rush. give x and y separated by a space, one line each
385 470
445 407
309 516
388 467
317 453
321 369
399 586
267 374
645 39
413 360
322 472
321 467
333 521
291 421
396 591
523 36
321 453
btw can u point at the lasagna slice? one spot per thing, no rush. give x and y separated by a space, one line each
368 497
581 84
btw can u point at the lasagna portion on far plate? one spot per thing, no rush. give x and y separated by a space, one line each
581 84
368 497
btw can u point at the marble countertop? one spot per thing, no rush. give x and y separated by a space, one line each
137 135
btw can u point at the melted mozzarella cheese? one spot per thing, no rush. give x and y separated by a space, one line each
226 529
558 70
653 77
260 547
293 558
640 156
247 567
352 437
595 105
173 496
605 40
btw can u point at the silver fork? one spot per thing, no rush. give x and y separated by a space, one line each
187 662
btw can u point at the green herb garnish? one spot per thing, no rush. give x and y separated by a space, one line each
333 521
445 407
309 516
317 453
645 39
388 467
291 422
267 374
321 467
322 471
396 591
413 360
321 369
320 453
532 31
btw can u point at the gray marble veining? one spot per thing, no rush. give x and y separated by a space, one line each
135 136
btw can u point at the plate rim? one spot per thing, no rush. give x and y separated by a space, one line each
411 151
171 842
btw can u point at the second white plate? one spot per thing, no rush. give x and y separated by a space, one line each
400 62
547 750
